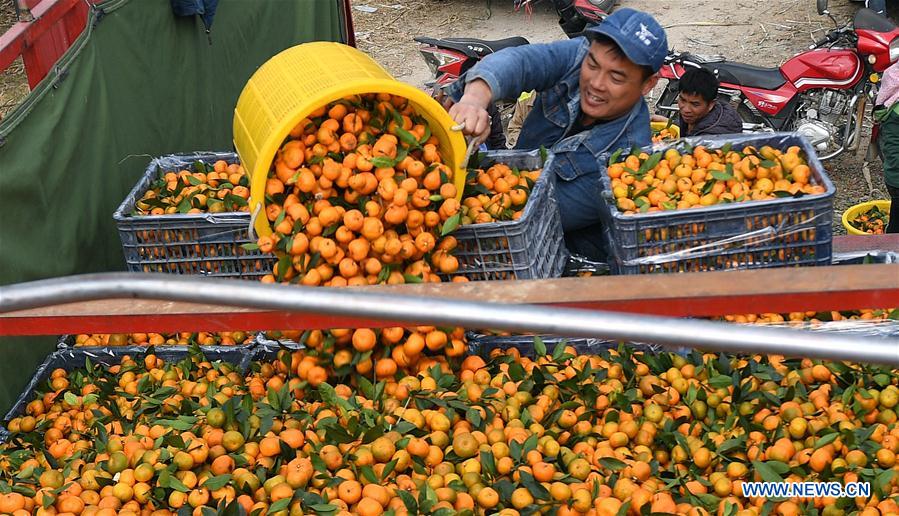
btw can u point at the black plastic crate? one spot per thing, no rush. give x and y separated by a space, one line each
531 247
75 358
755 234
208 244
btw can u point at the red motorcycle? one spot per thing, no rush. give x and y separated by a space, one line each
820 93
449 58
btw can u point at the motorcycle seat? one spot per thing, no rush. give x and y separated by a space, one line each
747 75
473 47
703 58
866 19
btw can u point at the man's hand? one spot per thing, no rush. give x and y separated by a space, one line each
658 118
471 110
445 100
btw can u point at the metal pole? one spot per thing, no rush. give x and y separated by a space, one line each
668 332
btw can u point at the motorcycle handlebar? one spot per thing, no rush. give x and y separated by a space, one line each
830 36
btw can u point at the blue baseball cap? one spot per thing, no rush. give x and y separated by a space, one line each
639 35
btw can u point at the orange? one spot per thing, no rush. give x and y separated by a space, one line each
435 340
473 363
293 437
383 449
233 440
543 472
488 498
350 491
608 507
369 507
364 339
269 446
222 465
377 493
11 502
465 445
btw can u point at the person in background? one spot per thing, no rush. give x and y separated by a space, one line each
886 113
699 110
522 109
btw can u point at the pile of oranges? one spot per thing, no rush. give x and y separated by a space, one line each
216 188
813 318
381 353
358 195
663 134
228 338
670 180
620 433
873 221
497 194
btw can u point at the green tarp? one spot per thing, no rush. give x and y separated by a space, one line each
138 83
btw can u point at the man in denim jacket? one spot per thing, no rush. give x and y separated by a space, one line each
590 104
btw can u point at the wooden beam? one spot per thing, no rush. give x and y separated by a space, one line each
682 295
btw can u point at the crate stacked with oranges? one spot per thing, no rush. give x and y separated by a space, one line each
616 433
188 214
724 202
673 180
358 195
511 227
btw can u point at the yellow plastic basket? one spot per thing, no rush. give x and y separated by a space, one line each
858 209
658 126
301 79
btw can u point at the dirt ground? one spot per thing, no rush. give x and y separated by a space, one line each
736 29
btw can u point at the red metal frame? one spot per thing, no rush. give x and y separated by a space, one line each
845 287
44 39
